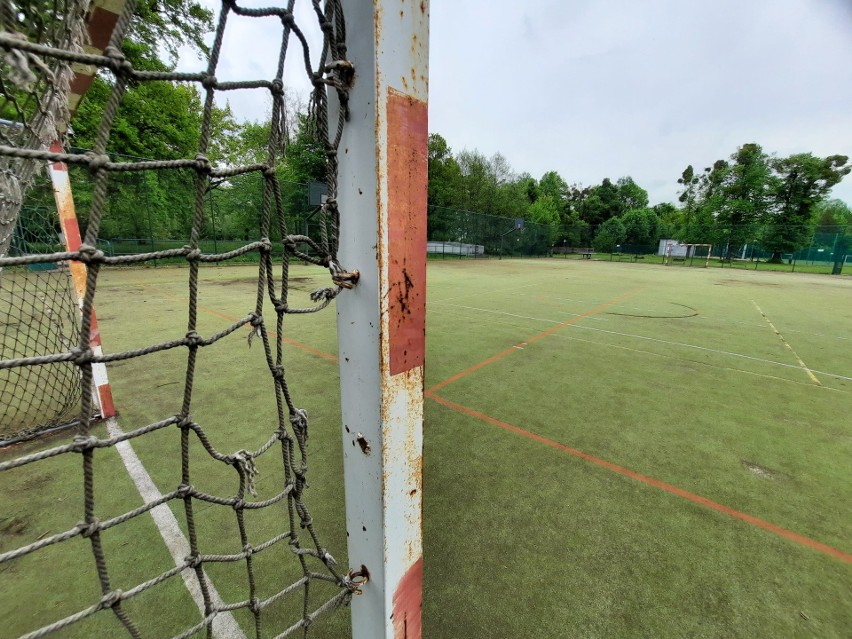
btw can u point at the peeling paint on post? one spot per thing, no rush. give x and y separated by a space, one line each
381 322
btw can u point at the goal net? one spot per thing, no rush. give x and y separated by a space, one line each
38 316
38 312
687 254
41 42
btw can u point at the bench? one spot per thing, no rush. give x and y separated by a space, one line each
587 255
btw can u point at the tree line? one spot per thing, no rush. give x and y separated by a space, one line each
750 196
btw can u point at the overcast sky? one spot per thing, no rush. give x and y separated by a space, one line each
606 88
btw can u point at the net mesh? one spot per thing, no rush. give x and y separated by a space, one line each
327 71
38 316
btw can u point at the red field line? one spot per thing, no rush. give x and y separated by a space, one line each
650 481
545 333
213 311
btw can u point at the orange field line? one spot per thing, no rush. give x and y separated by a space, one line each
213 311
650 481
545 333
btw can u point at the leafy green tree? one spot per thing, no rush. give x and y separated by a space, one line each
170 24
610 234
601 203
702 226
552 184
747 190
641 227
689 182
444 173
632 195
804 180
831 214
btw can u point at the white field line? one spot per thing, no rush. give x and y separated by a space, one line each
660 341
807 370
563 335
224 624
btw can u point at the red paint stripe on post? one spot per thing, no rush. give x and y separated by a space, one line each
656 483
408 603
407 168
105 397
101 25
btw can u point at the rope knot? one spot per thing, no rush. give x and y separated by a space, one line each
277 87
89 254
191 254
209 81
184 421
111 598
254 605
265 244
97 162
192 561
87 529
81 356
299 419
269 172
281 306
278 372
193 339
256 323
84 442
118 63
202 164
248 549
244 462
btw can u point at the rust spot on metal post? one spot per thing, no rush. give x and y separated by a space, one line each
364 444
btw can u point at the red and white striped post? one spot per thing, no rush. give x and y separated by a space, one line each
381 322
101 394
103 16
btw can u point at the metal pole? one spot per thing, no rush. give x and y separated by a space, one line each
381 322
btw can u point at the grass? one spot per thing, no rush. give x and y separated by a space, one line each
671 373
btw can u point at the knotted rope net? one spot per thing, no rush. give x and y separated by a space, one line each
328 71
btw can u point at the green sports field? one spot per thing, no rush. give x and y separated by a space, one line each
611 450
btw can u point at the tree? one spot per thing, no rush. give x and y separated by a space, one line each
632 195
747 189
444 173
832 214
803 181
641 227
170 24
601 203
689 195
610 234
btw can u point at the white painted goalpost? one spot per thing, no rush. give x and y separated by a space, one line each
381 322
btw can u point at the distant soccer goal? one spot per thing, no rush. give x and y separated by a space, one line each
685 253
369 239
